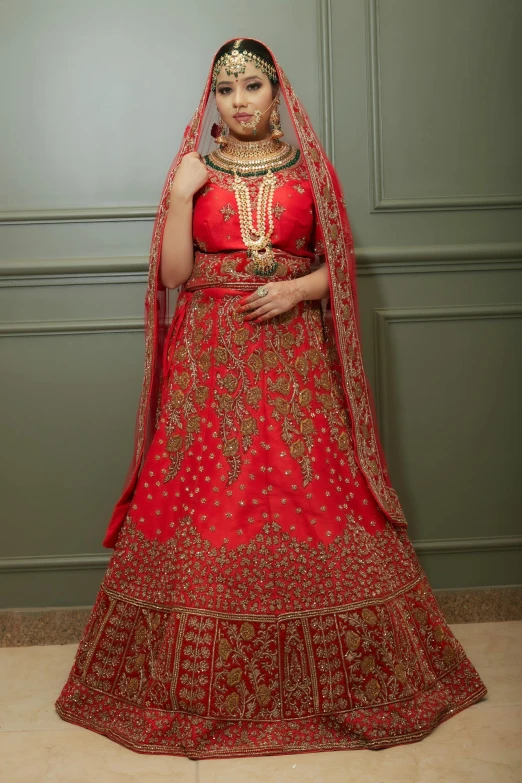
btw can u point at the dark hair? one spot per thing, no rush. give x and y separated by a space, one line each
251 46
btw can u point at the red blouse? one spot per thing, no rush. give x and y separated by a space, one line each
216 216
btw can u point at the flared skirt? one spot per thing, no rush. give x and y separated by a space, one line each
258 601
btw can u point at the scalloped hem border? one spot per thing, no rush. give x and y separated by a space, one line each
344 743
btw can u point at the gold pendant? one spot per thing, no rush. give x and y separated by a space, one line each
265 263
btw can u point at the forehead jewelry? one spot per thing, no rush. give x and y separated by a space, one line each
235 62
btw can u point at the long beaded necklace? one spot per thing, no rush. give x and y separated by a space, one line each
254 159
257 238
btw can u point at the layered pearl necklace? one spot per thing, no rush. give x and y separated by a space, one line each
247 159
257 238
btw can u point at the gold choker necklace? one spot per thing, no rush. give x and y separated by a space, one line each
253 158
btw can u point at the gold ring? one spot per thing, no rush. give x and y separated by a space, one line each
261 291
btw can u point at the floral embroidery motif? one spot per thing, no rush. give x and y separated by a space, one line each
227 211
278 209
299 381
318 674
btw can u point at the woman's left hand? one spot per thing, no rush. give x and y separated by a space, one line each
281 296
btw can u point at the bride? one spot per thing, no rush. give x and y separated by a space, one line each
263 596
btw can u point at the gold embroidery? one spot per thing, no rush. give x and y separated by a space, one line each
191 668
227 211
238 365
279 209
296 172
352 367
217 269
247 631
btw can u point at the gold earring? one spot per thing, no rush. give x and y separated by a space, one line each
275 123
219 132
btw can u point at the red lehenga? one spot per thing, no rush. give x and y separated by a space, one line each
263 596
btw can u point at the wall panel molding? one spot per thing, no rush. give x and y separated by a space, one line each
326 71
420 259
90 326
17 273
379 202
148 212
87 215
384 317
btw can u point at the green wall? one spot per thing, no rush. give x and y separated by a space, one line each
417 104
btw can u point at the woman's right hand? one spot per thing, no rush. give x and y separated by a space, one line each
191 175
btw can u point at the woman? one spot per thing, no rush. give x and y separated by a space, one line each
263 596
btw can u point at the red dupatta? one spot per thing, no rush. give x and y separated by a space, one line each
342 337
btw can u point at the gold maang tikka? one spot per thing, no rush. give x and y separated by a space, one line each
235 62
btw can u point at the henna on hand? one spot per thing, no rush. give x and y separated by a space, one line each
281 296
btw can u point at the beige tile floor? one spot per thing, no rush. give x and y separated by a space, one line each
483 744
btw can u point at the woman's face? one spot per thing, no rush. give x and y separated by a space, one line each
239 98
